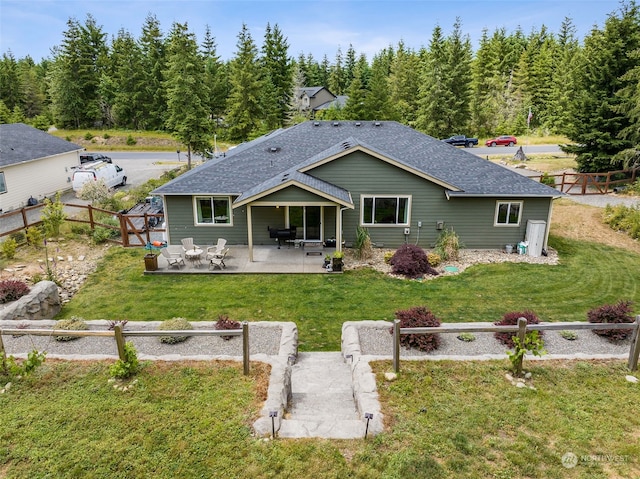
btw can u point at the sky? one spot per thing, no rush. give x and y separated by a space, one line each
317 27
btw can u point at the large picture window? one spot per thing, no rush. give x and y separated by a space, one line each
213 210
3 185
508 213
385 210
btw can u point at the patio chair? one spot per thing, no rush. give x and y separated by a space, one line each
187 244
174 259
216 250
218 260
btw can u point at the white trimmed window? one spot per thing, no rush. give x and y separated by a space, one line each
3 185
212 210
508 213
385 210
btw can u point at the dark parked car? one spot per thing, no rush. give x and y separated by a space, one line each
91 157
504 140
461 140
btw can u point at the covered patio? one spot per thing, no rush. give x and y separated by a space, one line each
266 259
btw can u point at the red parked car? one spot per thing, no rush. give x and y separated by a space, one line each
504 140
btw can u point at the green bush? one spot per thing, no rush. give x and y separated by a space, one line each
123 369
174 324
53 215
547 179
72 324
434 259
88 136
35 236
9 248
623 218
131 140
81 229
362 245
102 234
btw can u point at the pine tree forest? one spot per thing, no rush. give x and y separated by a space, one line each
535 83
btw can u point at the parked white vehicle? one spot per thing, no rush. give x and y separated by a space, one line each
111 174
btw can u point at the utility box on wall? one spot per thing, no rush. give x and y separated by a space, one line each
535 236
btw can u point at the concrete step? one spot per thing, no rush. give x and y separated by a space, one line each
325 428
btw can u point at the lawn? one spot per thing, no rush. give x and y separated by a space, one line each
445 420
590 274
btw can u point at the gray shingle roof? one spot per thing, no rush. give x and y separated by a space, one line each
255 166
20 143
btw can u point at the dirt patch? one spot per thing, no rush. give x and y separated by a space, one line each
582 222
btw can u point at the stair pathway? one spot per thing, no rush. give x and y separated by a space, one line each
322 403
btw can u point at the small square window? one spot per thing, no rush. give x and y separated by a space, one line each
508 213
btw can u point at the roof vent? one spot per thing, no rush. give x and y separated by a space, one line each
285 177
275 149
336 123
377 123
358 123
316 123
346 145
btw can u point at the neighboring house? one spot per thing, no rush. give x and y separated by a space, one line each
326 178
33 164
317 98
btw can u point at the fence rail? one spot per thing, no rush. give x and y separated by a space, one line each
521 329
119 335
138 225
591 183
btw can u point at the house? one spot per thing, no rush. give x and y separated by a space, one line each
325 178
33 164
317 98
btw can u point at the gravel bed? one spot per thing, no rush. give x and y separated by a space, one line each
378 341
264 338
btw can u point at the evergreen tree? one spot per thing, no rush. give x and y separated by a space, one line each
215 78
32 87
377 103
187 93
277 69
433 114
128 82
11 92
349 67
153 95
404 84
599 120
245 108
296 113
355 107
336 76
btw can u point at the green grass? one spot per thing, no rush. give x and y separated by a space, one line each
589 275
445 420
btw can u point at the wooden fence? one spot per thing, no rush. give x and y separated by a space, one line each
119 335
592 183
134 229
521 329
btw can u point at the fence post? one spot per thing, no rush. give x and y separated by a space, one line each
396 345
119 341
634 351
522 332
245 347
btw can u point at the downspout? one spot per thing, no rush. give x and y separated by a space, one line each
339 230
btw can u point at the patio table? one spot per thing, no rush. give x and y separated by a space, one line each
194 256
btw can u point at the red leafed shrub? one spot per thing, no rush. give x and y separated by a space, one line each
418 317
511 319
225 323
411 261
612 313
11 289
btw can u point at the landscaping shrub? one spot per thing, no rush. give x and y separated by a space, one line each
418 317
174 324
511 319
35 236
12 289
123 369
9 247
547 179
225 323
72 324
612 313
623 218
411 261
362 246
434 259
448 245
387 256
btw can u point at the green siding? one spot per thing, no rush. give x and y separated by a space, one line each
471 218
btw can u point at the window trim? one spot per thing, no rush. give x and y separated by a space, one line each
211 198
385 225
3 183
520 204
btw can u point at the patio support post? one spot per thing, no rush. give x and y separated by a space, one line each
250 233
338 228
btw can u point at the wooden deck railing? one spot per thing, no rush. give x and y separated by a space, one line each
119 335
521 329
